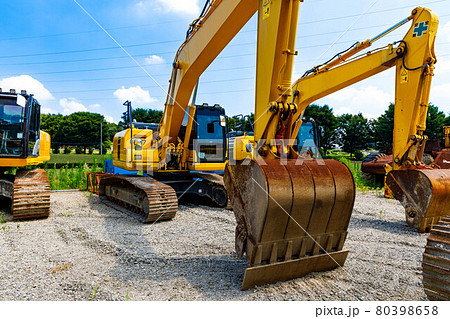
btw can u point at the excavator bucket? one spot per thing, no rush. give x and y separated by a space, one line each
292 217
424 193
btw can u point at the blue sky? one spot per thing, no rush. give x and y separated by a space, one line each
54 50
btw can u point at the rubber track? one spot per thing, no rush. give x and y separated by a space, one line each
31 198
162 199
436 262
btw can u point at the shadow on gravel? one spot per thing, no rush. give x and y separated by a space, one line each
382 225
5 209
216 277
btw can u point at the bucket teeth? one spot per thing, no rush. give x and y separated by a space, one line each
143 197
292 217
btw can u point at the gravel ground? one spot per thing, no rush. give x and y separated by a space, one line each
88 251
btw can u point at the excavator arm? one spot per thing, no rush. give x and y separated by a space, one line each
293 214
207 37
422 190
414 59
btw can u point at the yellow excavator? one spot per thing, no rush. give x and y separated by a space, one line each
22 144
181 154
292 211
184 167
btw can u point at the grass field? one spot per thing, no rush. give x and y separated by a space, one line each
77 158
71 176
361 183
68 171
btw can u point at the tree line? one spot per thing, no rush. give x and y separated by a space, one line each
354 132
80 130
350 132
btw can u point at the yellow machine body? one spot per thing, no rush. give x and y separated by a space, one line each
140 153
44 154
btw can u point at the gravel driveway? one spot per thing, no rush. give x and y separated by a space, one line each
88 251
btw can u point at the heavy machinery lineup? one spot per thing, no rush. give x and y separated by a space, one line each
292 210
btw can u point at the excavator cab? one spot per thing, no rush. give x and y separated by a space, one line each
308 140
208 137
19 125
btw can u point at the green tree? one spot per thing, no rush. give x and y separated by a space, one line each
384 126
238 123
50 123
435 122
80 129
354 132
324 117
147 115
113 129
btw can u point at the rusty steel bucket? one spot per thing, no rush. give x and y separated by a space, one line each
292 218
424 193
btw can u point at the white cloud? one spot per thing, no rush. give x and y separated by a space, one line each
181 6
443 34
441 92
70 106
135 94
154 59
94 106
369 100
109 119
184 7
26 82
